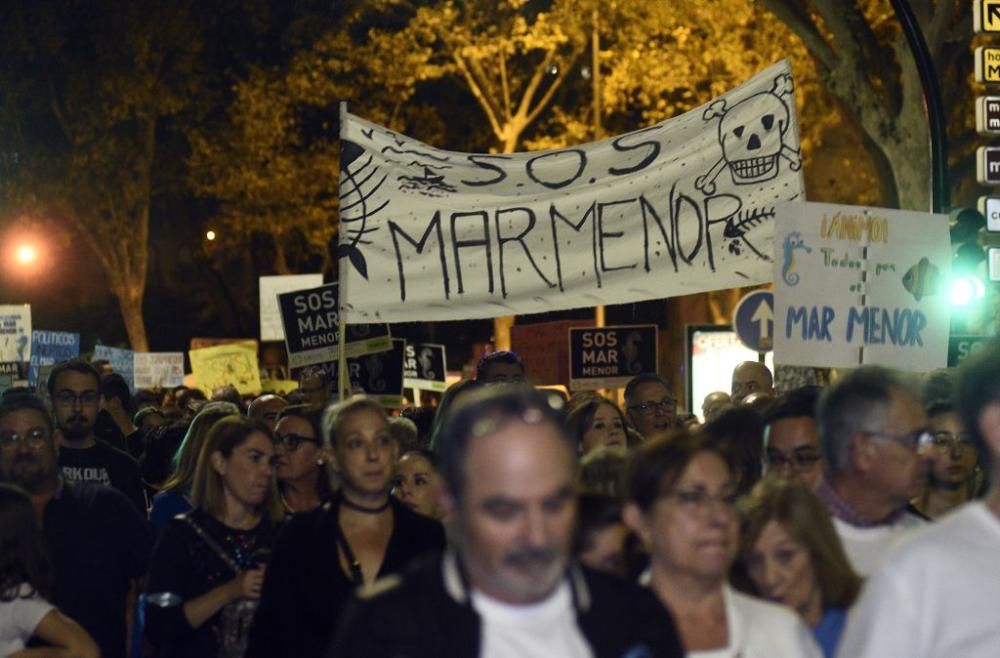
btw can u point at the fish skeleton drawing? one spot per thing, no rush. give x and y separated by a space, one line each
792 242
922 280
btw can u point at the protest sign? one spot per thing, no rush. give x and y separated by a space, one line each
608 357
856 285
683 206
49 348
122 361
378 375
311 323
15 333
424 367
233 363
159 369
270 288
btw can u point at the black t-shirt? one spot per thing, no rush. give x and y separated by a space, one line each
103 464
99 544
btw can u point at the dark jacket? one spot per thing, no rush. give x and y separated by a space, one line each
305 587
427 613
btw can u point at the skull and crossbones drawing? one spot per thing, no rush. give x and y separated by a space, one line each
752 136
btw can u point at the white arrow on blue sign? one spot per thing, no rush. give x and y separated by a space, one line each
753 320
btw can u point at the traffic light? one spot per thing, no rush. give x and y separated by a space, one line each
967 286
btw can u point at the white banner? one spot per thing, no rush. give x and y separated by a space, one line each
15 333
270 288
856 285
683 206
158 369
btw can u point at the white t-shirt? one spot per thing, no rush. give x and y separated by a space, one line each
935 596
867 547
19 619
539 630
759 629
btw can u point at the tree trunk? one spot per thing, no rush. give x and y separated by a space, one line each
130 303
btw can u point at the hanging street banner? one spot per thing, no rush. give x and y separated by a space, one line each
608 357
680 207
233 363
159 369
424 367
311 322
270 288
15 333
122 361
856 285
49 348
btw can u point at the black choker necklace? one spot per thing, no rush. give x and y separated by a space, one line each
366 510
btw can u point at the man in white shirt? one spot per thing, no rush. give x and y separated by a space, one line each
507 587
876 443
936 595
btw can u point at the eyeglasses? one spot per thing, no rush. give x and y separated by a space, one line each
917 440
947 441
699 500
292 441
34 438
69 399
800 459
649 408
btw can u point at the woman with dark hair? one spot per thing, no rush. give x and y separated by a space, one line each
597 423
418 484
361 534
298 445
25 581
601 536
681 503
738 434
793 556
206 572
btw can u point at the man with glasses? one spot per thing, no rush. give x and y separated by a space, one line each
936 594
650 404
791 439
97 541
74 390
876 443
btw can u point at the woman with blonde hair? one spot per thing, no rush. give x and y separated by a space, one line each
792 555
207 571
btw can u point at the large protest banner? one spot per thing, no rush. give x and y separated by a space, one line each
122 361
15 333
232 363
312 328
856 285
159 369
272 286
683 206
49 348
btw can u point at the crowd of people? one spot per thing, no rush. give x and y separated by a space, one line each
854 520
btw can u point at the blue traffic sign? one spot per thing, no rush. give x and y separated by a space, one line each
753 320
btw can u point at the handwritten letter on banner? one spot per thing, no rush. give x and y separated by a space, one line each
856 285
680 207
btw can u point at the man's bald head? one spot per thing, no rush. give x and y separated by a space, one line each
751 377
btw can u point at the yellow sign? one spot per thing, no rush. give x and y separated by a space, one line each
987 64
986 16
234 364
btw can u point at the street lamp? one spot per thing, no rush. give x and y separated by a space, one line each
26 254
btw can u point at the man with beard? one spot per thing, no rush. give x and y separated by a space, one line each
650 404
97 540
75 392
506 586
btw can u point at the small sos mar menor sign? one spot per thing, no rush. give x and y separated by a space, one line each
608 357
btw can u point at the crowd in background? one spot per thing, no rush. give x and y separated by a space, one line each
175 523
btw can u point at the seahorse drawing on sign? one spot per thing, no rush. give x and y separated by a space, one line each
752 135
792 242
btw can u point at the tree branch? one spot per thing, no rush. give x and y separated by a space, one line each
478 94
550 92
799 21
504 80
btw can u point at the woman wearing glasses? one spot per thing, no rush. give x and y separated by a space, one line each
361 534
954 474
681 502
301 478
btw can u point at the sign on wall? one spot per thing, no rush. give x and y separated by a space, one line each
856 285
683 206
608 357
